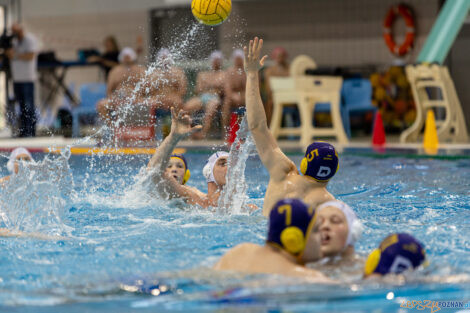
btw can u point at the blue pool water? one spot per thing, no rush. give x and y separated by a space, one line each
125 251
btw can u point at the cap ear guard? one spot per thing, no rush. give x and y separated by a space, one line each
356 230
303 166
372 262
320 161
293 240
206 171
187 175
304 170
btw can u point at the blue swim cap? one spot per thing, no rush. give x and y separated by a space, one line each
396 254
187 173
320 161
290 221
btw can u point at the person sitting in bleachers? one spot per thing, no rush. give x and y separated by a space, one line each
166 83
210 90
121 86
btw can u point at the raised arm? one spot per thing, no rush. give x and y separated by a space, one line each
180 128
276 162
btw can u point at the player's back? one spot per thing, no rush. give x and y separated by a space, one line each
298 186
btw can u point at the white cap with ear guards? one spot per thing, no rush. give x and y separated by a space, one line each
208 170
127 51
354 224
238 53
14 154
216 55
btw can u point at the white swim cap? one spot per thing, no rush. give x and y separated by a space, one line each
238 53
127 51
14 154
216 55
208 170
354 224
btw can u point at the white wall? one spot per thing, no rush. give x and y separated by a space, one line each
333 32
50 8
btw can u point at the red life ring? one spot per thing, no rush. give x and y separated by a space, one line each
407 15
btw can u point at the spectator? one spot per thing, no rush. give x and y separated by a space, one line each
168 83
235 81
23 60
279 69
110 57
209 90
122 82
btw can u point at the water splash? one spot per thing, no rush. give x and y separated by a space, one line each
156 75
36 199
234 198
145 93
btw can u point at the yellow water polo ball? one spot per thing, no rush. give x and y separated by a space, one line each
211 12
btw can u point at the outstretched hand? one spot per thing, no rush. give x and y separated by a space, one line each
252 55
181 124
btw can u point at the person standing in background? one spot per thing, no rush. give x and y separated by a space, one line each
23 58
110 57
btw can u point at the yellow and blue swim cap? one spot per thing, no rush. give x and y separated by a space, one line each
290 221
320 161
187 173
396 254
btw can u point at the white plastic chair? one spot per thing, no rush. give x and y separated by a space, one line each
306 92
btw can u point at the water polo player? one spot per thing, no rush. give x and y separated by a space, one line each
318 166
397 253
17 155
293 240
339 228
166 167
215 171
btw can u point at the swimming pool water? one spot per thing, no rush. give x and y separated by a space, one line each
125 251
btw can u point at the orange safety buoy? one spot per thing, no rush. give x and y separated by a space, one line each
405 12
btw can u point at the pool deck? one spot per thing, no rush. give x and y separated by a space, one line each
89 145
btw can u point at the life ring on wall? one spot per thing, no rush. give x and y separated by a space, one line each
405 12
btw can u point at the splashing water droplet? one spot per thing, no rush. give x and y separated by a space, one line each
36 199
234 198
